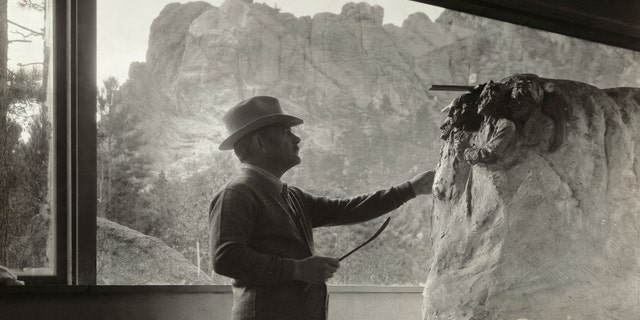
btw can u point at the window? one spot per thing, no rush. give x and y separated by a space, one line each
159 127
360 80
28 216
156 143
46 161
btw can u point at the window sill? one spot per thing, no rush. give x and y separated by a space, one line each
220 289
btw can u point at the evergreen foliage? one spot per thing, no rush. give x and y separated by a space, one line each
122 168
24 159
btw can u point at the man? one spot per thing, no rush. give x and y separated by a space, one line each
261 229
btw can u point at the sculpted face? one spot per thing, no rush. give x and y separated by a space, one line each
526 96
464 112
493 99
455 114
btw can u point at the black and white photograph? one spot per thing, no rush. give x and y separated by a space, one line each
319 159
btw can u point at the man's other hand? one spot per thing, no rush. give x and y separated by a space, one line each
423 183
315 269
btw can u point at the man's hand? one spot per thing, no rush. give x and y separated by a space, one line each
423 183
315 269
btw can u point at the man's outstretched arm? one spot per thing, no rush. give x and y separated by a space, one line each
326 211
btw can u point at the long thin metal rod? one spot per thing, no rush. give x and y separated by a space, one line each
447 87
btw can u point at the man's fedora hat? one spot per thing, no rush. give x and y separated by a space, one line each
253 114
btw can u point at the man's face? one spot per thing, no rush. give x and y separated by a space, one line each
281 146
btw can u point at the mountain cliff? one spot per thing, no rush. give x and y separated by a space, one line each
335 71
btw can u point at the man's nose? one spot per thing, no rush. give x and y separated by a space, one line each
295 138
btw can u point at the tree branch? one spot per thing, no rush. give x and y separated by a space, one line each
25 37
33 32
30 4
29 64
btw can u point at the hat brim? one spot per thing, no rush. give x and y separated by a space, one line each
256 124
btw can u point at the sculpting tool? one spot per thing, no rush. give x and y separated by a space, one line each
375 235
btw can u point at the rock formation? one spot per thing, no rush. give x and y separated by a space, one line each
127 257
546 226
335 70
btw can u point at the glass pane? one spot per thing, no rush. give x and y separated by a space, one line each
27 220
358 74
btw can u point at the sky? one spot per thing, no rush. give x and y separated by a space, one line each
24 52
123 25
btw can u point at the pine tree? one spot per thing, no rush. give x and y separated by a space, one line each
6 140
122 167
23 164
106 142
29 203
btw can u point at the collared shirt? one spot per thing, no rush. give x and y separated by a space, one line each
275 181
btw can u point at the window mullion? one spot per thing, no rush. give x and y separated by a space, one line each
83 106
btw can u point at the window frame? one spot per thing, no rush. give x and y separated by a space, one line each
59 153
597 22
74 136
82 111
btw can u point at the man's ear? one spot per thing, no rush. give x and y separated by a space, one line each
257 142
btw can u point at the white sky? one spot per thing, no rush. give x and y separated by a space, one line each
123 25
23 52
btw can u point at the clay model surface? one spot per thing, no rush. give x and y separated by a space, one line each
537 211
